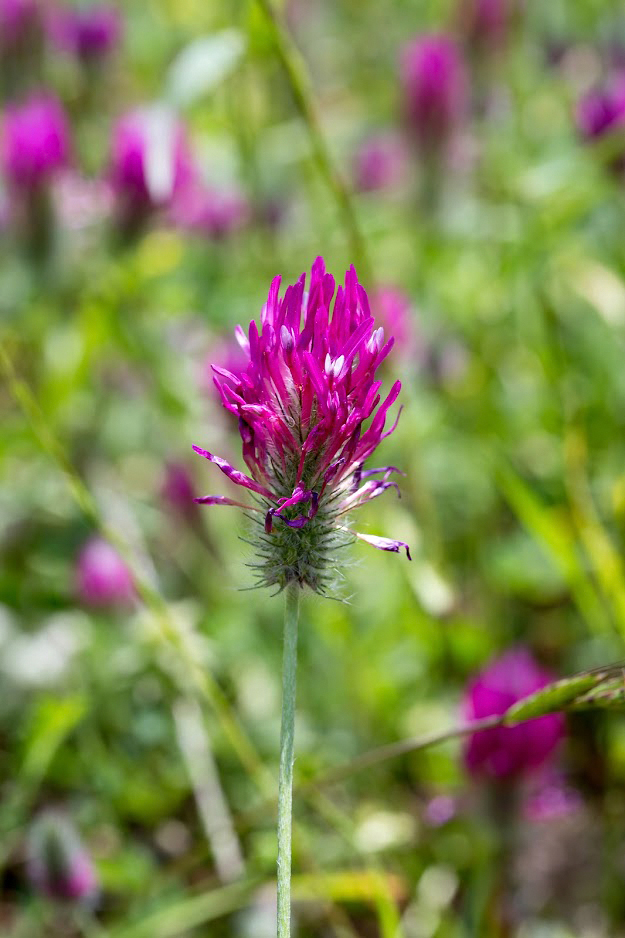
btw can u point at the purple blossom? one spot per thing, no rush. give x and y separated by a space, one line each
601 111
35 141
395 313
379 163
509 752
58 865
102 577
226 353
89 32
440 810
201 210
435 90
17 18
310 414
178 490
137 136
551 798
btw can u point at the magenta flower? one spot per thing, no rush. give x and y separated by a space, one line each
396 315
17 18
102 577
150 162
204 211
551 798
435 90
35 141
509 752
58 865
310 414
178 490
601 111
89 32
379 163
224 353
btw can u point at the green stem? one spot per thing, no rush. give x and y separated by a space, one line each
297 75
285 784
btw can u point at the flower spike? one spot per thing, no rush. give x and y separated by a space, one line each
310 413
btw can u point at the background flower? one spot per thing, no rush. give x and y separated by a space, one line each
512 751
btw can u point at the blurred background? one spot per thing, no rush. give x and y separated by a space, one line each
160 163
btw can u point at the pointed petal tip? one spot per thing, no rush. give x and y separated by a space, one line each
384 543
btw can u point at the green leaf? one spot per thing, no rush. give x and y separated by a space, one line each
554 697
52 722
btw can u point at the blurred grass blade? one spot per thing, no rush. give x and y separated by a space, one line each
603 556
556 537
53 720
181 915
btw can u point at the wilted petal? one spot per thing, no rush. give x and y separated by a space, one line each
384 543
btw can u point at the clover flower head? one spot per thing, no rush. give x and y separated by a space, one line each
379 162
509 752
310 414
178 490
102 577
89 32
552 797
58 865
395 312
150 159
435 89
601 111
35 141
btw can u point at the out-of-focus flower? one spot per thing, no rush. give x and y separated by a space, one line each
601 110
208 212
35 141
88 32
395 313
102 577
17 18
601 113
177 489
486 24
58 865
552 798
379 162
440 810
150 164
226 353
509 752
435 90
310 415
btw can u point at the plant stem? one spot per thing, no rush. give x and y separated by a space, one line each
285 784
299 80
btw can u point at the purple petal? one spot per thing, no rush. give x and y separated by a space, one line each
384 543
239 478
222 500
